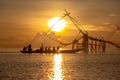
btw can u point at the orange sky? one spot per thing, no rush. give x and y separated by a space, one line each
20 20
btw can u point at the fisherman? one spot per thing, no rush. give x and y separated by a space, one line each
41 49
24 48
46 49
54 49
49 49
29 48
58 49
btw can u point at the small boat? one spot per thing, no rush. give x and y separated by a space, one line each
57 51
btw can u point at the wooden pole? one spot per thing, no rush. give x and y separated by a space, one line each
95 46
73 46
91 44
85 43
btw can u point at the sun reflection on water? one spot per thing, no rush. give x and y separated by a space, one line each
57 68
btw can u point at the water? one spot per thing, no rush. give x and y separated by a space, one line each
18 66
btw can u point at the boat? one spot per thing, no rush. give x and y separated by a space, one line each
56 51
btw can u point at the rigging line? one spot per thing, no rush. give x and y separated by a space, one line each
66 14
80 38
65 44
79 24
75 24
55 23
113 32
77 36
111 35
80 31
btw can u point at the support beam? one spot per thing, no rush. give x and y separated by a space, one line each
85 43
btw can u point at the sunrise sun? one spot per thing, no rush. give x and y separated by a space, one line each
56 24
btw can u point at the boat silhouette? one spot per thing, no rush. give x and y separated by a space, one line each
51 51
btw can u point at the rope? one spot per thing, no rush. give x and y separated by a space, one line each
75 23
55 23
65 44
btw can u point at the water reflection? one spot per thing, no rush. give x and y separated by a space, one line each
57 69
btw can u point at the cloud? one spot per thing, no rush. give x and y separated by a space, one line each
97 27
112 15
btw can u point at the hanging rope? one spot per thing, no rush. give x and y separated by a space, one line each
113 32
56 40
56 23
76 25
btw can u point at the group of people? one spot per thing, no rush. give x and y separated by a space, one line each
28 48
49 49
41 49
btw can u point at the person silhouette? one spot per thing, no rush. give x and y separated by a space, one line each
24 48
29 48
41 49
58 49
46 49
54 49
49 49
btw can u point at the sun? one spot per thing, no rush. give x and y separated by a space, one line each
56 24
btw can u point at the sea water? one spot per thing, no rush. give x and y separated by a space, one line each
77 66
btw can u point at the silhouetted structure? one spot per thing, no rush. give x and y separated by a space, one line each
88 43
